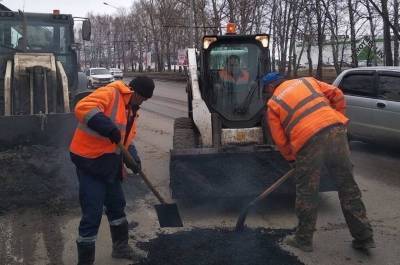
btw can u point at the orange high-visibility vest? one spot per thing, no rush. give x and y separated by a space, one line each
243 78
299 109
111 100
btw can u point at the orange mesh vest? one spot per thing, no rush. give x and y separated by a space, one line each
90 144
303 110
227 77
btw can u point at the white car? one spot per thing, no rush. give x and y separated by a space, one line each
98 77
117 73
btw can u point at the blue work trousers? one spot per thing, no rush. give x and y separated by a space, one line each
94 194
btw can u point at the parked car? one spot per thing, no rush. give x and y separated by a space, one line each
373 103
117 73
98 77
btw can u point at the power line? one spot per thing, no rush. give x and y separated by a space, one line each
195 27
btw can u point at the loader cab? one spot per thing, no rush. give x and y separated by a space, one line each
39 33
231 77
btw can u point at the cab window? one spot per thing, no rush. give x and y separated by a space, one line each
234 72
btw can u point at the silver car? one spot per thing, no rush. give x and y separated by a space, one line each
117 73
373 103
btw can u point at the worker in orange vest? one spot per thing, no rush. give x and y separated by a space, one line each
232 72
308 125
106 117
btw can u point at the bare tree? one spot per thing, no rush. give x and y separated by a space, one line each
352 7
372 26
396 28
386 34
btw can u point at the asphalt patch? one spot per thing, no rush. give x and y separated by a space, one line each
37 176
43 177
218 246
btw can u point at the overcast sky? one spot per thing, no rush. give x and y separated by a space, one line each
74 7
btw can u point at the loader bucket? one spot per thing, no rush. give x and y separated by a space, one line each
35 166
49 130
241 172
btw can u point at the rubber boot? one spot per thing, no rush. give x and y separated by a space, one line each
86 253
120 236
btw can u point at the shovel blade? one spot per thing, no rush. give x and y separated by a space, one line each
168 215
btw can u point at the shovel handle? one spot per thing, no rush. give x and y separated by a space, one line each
273 186
130 162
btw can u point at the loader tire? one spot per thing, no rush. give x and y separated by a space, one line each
183 123
1 99
184 139
185 136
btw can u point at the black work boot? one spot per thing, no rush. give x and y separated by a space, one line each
120 236
86 253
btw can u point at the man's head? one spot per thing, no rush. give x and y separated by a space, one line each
143 87
233 65
271 81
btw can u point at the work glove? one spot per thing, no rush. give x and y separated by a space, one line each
132 150
115 136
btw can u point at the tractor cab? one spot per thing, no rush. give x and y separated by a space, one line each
231 75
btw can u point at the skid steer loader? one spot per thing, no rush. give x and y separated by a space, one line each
39 78
223 148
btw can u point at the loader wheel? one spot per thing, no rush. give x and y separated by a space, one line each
1 100
183 123
185 136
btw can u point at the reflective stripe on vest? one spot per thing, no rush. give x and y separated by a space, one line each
305 113
288 124
120 126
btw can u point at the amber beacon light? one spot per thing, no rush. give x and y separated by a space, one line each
231 28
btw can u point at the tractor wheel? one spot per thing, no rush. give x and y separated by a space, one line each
183 123
185 136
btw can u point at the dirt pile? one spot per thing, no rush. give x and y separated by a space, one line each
218 246
36 176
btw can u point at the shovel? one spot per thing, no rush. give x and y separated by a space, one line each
167 213
243 214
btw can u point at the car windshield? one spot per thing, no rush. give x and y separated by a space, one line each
101 71
234 73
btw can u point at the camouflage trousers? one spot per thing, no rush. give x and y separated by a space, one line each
328 148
